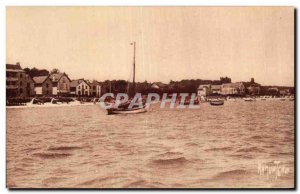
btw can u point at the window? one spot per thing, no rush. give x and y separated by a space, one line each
47 85
94 87
21 75
21 90
79 87
85 87
21 83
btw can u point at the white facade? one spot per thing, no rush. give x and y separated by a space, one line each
54 90
83 89
38 90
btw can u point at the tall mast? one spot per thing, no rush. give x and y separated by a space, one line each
133 79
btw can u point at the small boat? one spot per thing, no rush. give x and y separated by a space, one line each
263 99
112 111
216 102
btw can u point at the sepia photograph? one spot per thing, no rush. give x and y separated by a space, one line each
164 97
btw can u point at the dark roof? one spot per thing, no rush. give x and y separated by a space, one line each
39 79
74 83
12 66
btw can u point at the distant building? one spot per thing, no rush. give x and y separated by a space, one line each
285 92
17 81
253 89
43 85
204 90
95 88
30 86
216 89
233 89
208 89
158 85
60 83
79 87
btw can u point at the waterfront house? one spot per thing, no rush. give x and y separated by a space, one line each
43 85
95 88
17 81
253 89
216 89
285 92
60 83
233 89
79 87
204 90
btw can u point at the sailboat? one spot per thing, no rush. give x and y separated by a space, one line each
124 108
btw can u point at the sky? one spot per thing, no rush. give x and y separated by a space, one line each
172 43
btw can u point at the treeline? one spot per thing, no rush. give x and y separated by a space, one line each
183 86
33 72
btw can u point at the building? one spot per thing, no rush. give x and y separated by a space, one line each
233 89
285 92
253 89
17 81
95 88
30 86
43 85
79 87
216 89
204 90
60 84
208 89
159 85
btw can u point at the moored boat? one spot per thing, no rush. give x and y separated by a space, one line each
216 102
124 108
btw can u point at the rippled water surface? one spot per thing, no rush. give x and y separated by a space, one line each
81 146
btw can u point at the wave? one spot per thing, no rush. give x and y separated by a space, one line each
251 149
97 181
172 161
64 148
169 154
258 137
219 149
231 174
52 155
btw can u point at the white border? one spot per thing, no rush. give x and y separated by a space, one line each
4 3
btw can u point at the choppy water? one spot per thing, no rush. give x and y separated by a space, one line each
81 146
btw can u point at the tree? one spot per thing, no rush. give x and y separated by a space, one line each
225 80
36 72
55 70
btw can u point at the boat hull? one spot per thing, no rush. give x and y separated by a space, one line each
218 103
126 111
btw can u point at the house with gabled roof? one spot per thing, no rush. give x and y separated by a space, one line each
60 83
42 85
237 88
80 87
